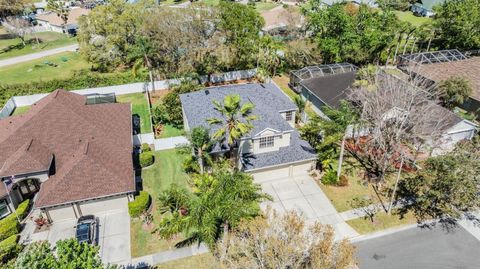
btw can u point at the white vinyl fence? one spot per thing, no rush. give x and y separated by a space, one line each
27 100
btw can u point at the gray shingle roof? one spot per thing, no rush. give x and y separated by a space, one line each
268 99
299 150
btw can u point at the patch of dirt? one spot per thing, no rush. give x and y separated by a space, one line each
157 95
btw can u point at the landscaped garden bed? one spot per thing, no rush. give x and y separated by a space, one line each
167 170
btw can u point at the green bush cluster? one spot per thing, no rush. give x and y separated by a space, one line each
146 159
146 147
9 226
330 177
80 80
139 205
9 248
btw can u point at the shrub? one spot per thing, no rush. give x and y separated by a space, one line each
146 159
139 205
146 147
330 177
9 248
9 226
190 165
80 80
23 209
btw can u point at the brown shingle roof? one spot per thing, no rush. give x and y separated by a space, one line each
73 16
469 69
91 145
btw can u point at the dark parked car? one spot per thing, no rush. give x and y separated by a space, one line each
86 230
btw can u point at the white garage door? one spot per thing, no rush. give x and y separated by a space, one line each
102 206
273 173
61 213
302 169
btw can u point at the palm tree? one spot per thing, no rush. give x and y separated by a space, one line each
220 202
236 122
301 107
200 145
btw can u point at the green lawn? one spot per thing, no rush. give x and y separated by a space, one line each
171 131
140 107
264 6
382 221
20 110
282 82
166 170
36 70
203 261
409 17
48 40
342 196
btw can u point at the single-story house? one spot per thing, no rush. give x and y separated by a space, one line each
273 149
52 22
70 157
424 8
279 19
468 68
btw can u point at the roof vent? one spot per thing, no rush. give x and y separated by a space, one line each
56 93
85 149
207 92
263 86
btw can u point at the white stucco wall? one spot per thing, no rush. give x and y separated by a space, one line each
280 140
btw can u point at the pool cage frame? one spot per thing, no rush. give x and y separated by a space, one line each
315 71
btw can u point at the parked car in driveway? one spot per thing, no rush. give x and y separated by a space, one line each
86 230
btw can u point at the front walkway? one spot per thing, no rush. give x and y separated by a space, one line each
302 194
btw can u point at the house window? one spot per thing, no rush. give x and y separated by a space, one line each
266 142
4 209
289 115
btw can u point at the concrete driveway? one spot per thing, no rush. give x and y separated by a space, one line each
303 195
420 248
113 236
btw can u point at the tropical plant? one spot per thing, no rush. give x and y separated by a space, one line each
220 201
200 145
454 91
301 104
236 121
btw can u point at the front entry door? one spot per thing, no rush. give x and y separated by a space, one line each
28 188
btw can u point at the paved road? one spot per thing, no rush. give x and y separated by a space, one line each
417 248
37 55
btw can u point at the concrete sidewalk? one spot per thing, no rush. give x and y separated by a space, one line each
37 55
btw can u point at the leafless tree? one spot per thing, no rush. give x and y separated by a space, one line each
397 120
19 28
284 241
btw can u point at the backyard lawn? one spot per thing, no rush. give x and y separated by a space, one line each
61 65
409 17
202 261
264 6
48 40
382 221
166 170
20 110
140 107
171 131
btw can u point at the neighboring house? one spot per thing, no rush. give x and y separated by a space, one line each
279 20
273 149
440 65
69 157
424 8
52 22
323 85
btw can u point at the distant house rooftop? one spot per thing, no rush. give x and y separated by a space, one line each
73 16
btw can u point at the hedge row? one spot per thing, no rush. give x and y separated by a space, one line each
9 248
139 205
9 225
80 80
